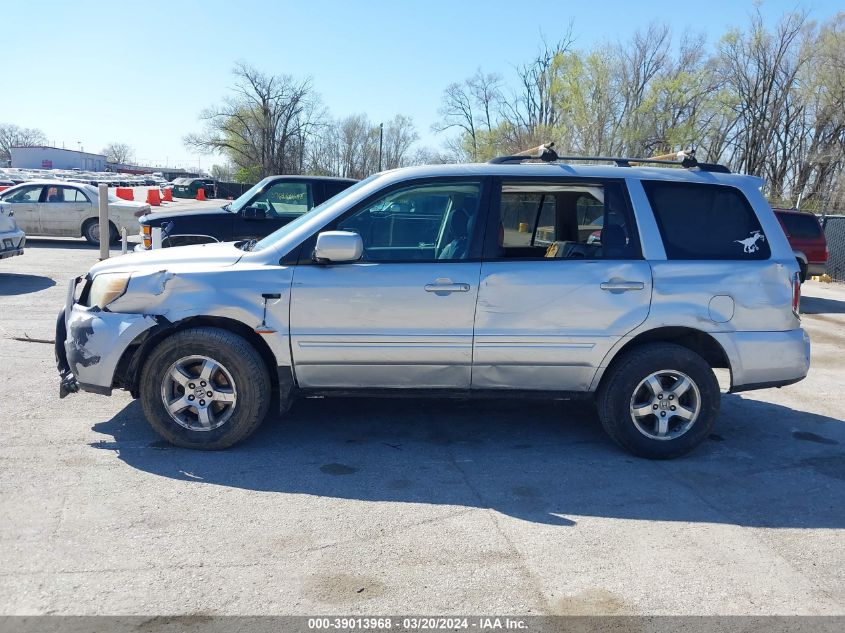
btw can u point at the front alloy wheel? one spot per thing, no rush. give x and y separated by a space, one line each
199 393
205 387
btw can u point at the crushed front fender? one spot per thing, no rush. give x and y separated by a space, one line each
96 340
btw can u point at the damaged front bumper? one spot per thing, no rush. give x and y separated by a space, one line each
90 343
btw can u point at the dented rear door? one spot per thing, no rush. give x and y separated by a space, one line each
545 322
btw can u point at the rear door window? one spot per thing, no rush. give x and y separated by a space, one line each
699 221
800 226
545 220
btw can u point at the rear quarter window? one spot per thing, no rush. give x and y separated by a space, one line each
699 221
800 226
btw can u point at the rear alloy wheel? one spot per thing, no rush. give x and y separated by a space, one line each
205 388
659 401
665 405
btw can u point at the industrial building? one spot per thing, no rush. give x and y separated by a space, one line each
43 157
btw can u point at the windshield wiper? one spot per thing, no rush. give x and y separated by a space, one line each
247 245
227 207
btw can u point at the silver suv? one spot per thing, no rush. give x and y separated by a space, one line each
627 284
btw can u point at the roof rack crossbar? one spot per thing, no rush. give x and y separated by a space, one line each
547 154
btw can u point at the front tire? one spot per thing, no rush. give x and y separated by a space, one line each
205 388
659 401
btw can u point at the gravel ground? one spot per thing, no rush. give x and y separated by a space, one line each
410 506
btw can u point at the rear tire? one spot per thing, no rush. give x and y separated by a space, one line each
184 368
659 401
91 232
802 270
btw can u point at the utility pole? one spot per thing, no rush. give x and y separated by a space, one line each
380 143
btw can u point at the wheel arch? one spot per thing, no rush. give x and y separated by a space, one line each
128 372
698 341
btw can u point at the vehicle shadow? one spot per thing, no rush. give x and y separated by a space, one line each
21 284
819 305
59 242
766 465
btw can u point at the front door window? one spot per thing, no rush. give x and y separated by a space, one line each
432 222
284 199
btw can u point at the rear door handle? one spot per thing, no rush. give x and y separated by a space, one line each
615 285
446 286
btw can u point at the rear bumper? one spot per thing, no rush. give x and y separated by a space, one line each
816 269
12 243
766 359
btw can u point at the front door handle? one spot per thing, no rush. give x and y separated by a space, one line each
617 285
446 286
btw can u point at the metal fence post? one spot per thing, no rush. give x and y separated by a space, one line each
105 234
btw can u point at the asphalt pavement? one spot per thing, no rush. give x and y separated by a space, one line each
362 506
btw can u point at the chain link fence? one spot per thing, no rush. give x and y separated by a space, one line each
834 232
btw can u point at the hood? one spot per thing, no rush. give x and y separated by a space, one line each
180 258
158 217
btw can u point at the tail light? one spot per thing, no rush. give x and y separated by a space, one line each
147 234
796 295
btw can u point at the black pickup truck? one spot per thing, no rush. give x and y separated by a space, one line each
265 207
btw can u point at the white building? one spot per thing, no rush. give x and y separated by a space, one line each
43 157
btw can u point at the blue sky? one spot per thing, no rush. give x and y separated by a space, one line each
140 73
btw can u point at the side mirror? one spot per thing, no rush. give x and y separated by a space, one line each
254 213
338 247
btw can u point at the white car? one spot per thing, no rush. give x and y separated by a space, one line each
12 239
67 209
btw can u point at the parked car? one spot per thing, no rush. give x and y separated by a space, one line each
265 207
806 237
188 187
68 209
12 238
427 280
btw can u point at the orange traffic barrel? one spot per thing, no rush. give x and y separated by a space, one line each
126 193
168 195
153 199
201 193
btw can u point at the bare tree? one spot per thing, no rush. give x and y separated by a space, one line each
265 123
119 153
399 136
13 136
761 69
222 172
531 113
457 112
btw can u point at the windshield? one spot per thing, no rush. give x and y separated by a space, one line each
305 217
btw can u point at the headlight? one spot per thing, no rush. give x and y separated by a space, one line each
107 287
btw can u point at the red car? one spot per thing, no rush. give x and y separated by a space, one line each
807 240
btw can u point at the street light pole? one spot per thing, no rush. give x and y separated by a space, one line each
380 143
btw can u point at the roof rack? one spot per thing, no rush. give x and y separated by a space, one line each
547 154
